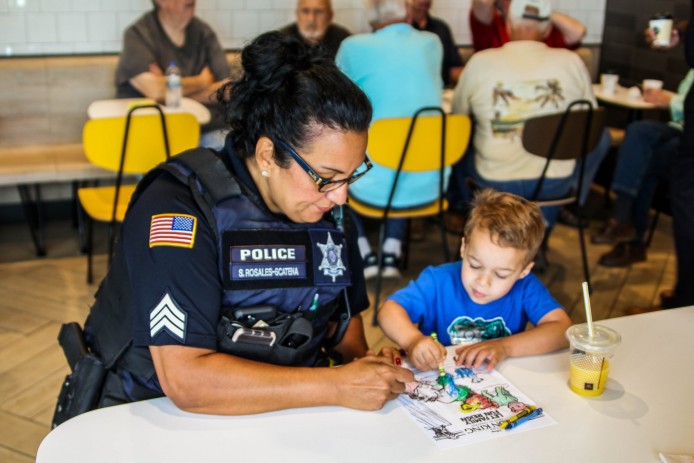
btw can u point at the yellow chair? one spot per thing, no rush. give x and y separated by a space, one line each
128 145
414 144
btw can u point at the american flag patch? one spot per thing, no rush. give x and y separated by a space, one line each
172 230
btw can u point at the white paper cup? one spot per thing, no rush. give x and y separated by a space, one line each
652 84
608 82
662 28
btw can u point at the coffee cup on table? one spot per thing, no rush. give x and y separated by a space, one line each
608 82
651 86
661 24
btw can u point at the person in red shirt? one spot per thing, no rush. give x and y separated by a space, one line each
488 26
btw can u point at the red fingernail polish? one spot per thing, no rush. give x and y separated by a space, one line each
398 361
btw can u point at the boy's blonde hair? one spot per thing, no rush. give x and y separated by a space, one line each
511 221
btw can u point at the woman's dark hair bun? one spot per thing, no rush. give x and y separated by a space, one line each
274 55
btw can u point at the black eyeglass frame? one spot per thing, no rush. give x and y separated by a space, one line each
324 185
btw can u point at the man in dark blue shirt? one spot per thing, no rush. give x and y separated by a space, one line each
418 11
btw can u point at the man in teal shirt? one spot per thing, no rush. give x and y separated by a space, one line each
399 69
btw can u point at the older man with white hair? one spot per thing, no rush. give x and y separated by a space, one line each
399 69
314 25
502 87
488 26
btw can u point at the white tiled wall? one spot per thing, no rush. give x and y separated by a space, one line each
36 27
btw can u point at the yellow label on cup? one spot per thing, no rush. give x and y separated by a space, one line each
588 374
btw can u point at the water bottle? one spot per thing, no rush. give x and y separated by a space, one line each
173 85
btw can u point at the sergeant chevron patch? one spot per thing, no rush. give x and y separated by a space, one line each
167 315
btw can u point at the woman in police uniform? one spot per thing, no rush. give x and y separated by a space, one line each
240 253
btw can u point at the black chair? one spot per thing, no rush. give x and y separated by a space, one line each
563 136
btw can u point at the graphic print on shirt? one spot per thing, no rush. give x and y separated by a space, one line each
516 102
466 329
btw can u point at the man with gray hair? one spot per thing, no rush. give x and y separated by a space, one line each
314 26
399 69
502 87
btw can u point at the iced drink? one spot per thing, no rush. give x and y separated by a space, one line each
589 359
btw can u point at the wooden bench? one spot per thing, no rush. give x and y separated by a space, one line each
28 167
43 107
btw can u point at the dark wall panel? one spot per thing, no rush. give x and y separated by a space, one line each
624 50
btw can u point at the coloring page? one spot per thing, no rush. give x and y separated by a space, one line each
464 406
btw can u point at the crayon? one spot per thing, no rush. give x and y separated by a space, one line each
313 308
528 417
528 410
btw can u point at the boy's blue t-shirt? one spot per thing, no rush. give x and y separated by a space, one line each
437 301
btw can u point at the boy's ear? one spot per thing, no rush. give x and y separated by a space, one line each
526 270
462 247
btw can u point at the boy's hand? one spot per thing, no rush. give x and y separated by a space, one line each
475 355
425 353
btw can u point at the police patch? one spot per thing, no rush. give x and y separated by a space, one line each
265 258
272 258
168 316
329 257
331 265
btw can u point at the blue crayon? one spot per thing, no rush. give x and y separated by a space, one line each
528 417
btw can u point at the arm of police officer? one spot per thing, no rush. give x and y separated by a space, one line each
205 381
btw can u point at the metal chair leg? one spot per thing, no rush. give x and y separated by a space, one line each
111 239
651 229
90 249
584 252
444 239
33 213
379 277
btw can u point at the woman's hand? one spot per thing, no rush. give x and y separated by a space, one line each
392 354
475 355
369 382
425 353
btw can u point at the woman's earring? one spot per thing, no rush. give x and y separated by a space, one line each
264 173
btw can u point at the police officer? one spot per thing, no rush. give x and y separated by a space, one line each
211 242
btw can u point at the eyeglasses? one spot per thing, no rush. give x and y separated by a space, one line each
325 185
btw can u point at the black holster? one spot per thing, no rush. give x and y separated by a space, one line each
81 389
284 340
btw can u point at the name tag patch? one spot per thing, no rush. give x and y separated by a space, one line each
268 261
271 258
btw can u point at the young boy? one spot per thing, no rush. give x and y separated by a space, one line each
498 296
